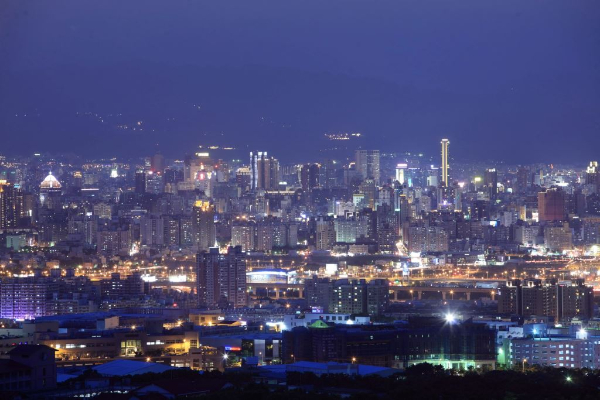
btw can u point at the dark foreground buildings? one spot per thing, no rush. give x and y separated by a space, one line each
28 368
447 342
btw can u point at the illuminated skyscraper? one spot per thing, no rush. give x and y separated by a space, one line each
264 171
50 193
445 144
12 207
592 176
400 169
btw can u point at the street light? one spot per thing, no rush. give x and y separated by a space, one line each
353 360
524 361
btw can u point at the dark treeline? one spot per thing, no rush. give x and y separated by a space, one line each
421 382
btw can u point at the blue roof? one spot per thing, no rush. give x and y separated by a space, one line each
329 367
130 367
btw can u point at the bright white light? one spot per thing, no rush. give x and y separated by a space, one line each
450 318
225 356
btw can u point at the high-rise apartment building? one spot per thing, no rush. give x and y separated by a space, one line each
358 297
203 225
221 278
325 234
561 300
26 298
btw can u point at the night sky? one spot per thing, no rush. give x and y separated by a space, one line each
508 80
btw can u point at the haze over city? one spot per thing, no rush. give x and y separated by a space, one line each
522 75
314 199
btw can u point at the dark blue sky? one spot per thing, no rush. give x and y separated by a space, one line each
513 80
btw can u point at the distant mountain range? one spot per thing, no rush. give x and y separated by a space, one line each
130 110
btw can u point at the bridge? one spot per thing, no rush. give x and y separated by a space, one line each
417 290
281 290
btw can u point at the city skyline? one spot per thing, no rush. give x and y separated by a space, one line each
322 199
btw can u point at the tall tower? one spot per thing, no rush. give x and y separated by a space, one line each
445 144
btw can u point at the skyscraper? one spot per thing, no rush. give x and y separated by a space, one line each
400 169
140 182
523 179
309 176
592 176
12 207
367 164
490 180
203 225
445 144
264 171
50 193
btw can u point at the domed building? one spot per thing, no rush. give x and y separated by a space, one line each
50 182
50 191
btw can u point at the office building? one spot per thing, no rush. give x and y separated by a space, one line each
140 182
592 176
264 171
490 181
557 352
368 165
457 345
401 173
50 193
551 205
309 176
12 206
